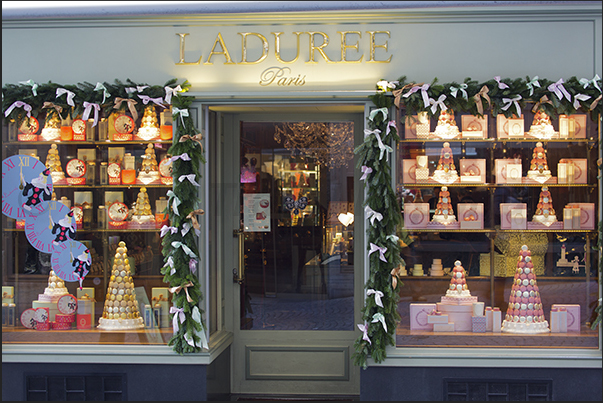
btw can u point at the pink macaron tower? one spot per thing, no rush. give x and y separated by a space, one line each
524 312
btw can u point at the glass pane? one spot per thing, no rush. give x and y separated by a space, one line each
297 208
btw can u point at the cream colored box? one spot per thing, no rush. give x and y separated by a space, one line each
433 319
474 126
408 171
471 215
443 327
416 127
508 170
472 170
509 127
416 215
513 215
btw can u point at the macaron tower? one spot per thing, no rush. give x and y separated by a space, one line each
457 292
525 313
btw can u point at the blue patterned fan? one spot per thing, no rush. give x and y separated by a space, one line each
295 205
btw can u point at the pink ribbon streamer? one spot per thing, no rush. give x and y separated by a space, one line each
424 94
179 314
501 86
88 108
19 104
146 99
365 172
381 249
364 330
560 90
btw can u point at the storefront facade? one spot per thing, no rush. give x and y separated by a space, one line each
285 256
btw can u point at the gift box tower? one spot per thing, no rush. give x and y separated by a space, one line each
53 163
142 215
524 312
120 311
545 213
443 212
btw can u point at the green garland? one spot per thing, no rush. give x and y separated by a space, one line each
496 96
180 252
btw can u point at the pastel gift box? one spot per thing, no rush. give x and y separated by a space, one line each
84 321
573 316
478 309
86 302
509 127
471 215
408 171
572 171
508 171
513 215
444 327
437 318
472 170
460 315
488 315
572 126
474 126
558 320
587 215
160 295
416 215
568 218
416 127
478 324
419 314
496 320
51 306
8 294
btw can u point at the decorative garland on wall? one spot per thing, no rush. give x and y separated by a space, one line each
180 251
496 96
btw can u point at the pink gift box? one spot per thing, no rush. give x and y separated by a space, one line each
413 128
460 315
474 126
478 324
437 319
416 215
558 320
509 127
419 314
573 316
408 171
587 214
513 215
580 169
579 126
471 215
496 320
508 170
472 170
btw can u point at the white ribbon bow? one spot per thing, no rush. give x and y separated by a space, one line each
165 229
19 104
179 314
372 215
100 87
138 88
509 101
560 90
424 94
394 238
378 295
190 177
196 316
185 248
378 317
586 82
382 146
34 86
461 88
533 83
374 113
170 263
390 124
579 97
70 95
364 330
385 85
365 172
440 102
169 92
88 108
192 266
183 157
182 112
146 99
381 249
501 86
176 202
186 227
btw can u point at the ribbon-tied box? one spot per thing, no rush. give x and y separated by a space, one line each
472 170
160 296
474 127
572 126
508 170
416 215
573 315
513 215
558 320
507 128
573 170
471 215
417 126
419 314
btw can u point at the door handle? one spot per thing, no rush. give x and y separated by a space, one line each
239 273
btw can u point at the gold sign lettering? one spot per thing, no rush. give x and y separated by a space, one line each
345 46
373 46
223 52
244 47
276 75
182 62
277 47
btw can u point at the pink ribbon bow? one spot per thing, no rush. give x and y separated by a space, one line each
501 86
365 172
364 330
19 104
424 94
381 249
560 90
146 99
88 108
179 314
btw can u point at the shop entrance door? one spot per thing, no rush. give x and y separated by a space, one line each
290 238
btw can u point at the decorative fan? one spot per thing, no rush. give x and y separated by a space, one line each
295 205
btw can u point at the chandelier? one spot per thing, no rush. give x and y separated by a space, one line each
330 143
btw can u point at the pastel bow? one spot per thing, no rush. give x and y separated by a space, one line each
169 92
585 82
543 100
366 171
138 88
378 295
383 147
385 85
374 113
196 316
381 249
461 88
130 102
509 101
191 216
424 94
146 99
533 83
192 266
394 274
439 102
186 249
165 229
390 124
595 102
47 104
478 100
378 317
183 157
190 177
19 104
170 263
100 87
364 330
186 227
197 137
501 86
175 203
33 85
179 315
176 290
393 237
70 95
560 90
182 112
372 215
88 108
580 97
